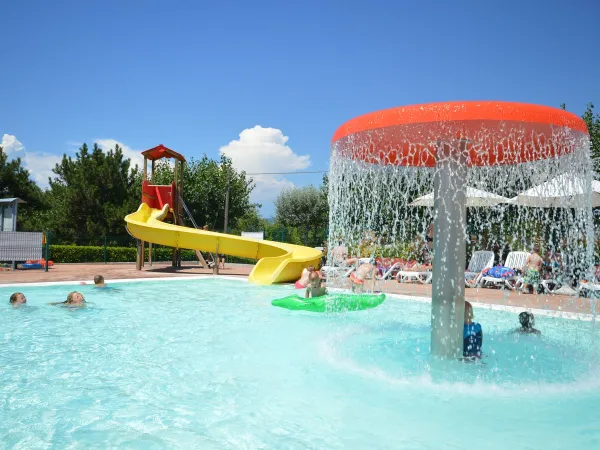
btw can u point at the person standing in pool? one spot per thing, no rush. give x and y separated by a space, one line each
17 299
472 335
527 322
315 289
73 299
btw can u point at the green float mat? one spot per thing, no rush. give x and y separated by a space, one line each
330 302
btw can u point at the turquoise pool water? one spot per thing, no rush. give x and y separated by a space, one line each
211 364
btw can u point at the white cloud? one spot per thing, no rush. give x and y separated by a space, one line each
135 155
260 150
38 164
12 146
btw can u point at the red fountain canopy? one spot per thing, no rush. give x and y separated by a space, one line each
498 133
160 151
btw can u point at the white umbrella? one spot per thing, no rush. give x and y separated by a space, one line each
565 191
475 198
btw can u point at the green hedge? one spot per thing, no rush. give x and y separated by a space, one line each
83 254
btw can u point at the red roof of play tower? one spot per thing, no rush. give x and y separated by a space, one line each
160 151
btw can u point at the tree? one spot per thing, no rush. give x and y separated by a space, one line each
204 186
91 194
15 181
593 124
304 208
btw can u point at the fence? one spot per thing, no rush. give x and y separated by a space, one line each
18 246
85 248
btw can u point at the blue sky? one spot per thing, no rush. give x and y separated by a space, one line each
194 75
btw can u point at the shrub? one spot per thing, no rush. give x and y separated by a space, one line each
90 253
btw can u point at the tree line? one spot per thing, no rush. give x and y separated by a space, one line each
90 193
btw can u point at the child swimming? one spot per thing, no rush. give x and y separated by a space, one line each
17 299
73 299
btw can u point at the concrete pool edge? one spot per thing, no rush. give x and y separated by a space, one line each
414 298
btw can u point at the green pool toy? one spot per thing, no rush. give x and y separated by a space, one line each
330 302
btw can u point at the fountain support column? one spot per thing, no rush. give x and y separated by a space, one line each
450 216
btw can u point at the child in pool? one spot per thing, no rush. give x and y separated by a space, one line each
99 281
527 322
314 288
73 299
17 299
472 335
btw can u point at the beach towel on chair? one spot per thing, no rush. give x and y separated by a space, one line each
499 272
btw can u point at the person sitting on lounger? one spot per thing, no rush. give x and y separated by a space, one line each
304 280
527 322
361 274
533 265
315 288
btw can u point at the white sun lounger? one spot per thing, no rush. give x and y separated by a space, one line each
481 259
405 276
342 271
389 272
514 260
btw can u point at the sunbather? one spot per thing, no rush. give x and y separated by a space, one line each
361 274
304 277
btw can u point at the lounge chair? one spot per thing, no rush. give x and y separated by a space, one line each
343 270
515 261
422 276
481 259
387 273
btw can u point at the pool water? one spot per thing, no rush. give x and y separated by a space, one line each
211 364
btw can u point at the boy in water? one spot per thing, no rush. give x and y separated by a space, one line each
527 322
17 299
314 288
472 335
99 281
533 265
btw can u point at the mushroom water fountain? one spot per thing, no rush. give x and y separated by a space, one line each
382 161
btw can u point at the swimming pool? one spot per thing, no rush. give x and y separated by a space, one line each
211 364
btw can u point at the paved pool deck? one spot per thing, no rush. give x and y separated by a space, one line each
114 271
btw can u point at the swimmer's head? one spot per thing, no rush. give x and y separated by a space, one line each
17 298
526 319
99 280
75 298
469 316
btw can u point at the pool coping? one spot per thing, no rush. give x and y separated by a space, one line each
415 298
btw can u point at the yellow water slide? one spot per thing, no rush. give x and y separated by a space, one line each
278 261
